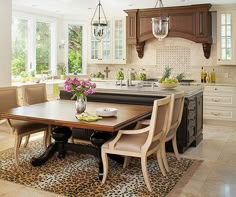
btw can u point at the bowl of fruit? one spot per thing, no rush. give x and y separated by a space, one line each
168 83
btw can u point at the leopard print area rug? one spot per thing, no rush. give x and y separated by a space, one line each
77 174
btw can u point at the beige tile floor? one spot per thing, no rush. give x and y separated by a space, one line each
216 177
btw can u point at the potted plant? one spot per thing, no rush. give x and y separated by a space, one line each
61 69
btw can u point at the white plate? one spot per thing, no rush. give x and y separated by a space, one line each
106 111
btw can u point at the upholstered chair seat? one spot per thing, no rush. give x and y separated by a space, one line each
21 127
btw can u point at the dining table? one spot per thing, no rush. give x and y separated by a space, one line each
62 115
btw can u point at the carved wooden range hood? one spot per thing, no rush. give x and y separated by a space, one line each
189 22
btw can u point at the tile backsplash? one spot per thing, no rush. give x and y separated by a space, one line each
180 54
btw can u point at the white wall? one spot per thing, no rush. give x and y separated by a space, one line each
5 42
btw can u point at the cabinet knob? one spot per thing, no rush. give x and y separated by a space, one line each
216 89
215 113
215 100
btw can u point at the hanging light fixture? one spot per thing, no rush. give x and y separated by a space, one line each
99 25
160 24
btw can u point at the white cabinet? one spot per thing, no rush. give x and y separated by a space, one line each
226 37
219 103
112 49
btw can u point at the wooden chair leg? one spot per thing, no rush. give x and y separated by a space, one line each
18 140
105 166
126 161
160 163
49 135
164 159
174 144
45 139
145 173
26 140
138 125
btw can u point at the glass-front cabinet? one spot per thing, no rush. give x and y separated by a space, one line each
111 49
226 37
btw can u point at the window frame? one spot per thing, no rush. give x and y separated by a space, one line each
84 45
32 20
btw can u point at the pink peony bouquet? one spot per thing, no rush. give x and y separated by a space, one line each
80 88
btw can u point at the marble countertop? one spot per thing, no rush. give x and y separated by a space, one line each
220 84
97 80
112 88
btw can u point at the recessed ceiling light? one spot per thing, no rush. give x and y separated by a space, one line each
34 5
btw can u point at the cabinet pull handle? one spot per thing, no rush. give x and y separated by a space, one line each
216 89
215 113
215 100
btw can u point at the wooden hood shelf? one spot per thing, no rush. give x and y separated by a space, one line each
189 22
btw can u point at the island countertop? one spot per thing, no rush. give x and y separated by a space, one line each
152 91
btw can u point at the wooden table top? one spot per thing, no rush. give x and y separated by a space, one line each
62 112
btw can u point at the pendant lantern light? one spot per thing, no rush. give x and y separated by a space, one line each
99 24
160 24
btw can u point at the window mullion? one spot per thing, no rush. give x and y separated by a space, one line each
31 46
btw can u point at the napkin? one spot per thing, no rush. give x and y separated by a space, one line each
88 117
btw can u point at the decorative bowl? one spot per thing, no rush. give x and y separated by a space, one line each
168 85
106 111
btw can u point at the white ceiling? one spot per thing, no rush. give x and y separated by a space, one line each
111 7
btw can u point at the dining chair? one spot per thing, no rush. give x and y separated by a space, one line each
9 99
141 142
33 94
176 112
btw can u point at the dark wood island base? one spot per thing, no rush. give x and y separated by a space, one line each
189 132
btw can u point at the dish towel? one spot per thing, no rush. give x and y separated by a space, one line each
87 117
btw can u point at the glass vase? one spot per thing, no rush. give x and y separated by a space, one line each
80 104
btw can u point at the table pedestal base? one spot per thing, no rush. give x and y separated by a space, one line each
61 146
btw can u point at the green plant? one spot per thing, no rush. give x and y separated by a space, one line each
61 69
167 72
180 76
167 76
25 76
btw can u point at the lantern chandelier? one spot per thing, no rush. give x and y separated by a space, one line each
160 24
99 25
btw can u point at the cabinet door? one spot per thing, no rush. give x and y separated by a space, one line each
112 48
119 41
100 51
226 30
199 113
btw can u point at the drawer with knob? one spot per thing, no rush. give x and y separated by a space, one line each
226 100
219 113
220 89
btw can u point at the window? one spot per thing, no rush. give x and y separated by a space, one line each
19 46
43 50
76 49
33 46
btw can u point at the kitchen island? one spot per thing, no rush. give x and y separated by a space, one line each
190 130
